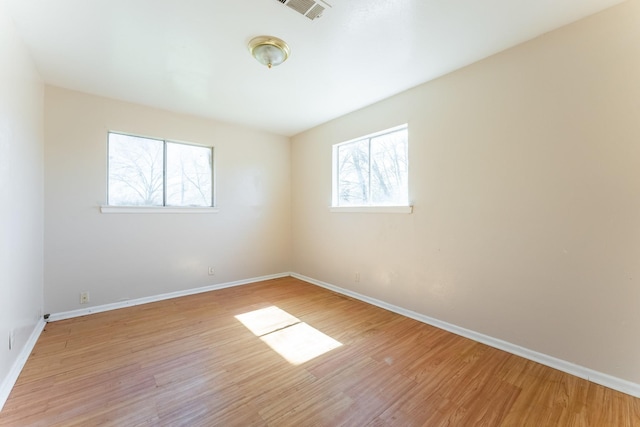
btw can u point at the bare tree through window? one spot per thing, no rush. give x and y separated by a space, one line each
153 172
188 175
372 171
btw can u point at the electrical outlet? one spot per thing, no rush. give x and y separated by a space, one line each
84 297
356 277
212 271
12 339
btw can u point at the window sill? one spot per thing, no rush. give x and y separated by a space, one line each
158 209
372 209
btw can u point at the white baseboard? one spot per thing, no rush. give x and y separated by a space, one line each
606 380
154 298
9 381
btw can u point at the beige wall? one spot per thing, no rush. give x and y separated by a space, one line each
525 177
124 256
21 197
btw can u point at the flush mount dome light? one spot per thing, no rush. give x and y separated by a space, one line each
269 51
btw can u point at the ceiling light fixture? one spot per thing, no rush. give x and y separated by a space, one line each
269 51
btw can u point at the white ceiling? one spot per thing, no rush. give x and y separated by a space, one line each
190 56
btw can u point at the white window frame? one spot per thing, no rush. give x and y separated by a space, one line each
164 208
369 208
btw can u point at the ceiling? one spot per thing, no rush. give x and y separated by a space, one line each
190 56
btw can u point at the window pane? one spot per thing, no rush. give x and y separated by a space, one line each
189 177
389 169
135 171
353 173
373 170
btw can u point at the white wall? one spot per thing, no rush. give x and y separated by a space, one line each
21 196
525 177
124 256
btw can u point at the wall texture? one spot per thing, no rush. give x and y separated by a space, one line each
525 181
21 197
124 256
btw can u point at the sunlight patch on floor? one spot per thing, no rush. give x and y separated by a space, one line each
294 340
266 320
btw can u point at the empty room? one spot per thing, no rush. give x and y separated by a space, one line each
320 213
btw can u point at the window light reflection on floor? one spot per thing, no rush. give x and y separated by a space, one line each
294 340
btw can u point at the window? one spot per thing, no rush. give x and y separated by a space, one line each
153 172
372 170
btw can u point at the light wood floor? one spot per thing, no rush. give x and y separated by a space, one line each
189 361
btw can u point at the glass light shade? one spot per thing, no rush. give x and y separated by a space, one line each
269 51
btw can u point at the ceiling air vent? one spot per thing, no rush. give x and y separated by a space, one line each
310 8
